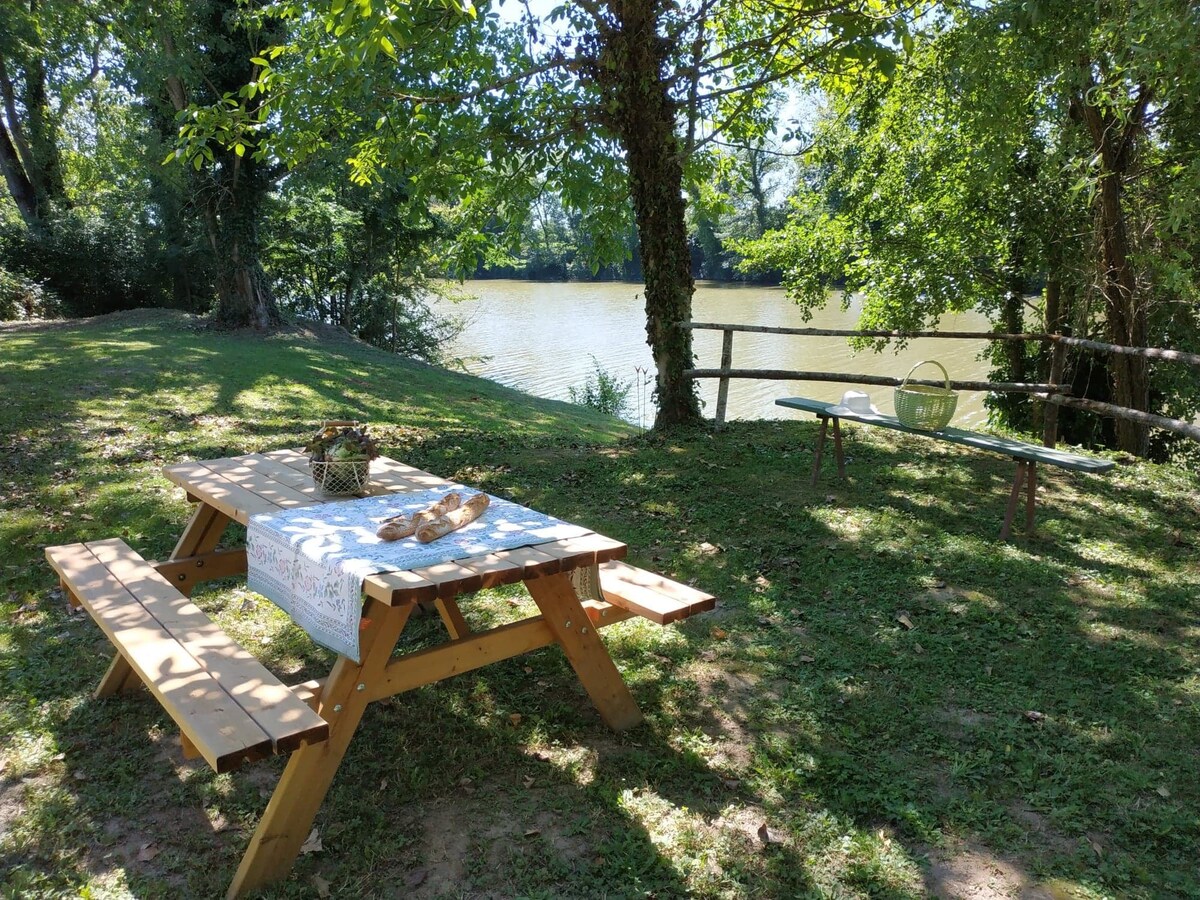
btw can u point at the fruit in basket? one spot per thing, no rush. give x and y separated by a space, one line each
341 443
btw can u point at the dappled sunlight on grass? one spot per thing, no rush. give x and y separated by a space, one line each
891 692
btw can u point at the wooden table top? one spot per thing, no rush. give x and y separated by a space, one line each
242 486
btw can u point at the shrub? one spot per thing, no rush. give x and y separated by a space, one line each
603 392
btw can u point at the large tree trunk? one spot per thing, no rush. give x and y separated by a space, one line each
1114 141
646 124
244 296
19 187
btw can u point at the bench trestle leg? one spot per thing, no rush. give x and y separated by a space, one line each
301 790
820 448
837 447
1013 497
1031 498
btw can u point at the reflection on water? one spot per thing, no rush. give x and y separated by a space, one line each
540 337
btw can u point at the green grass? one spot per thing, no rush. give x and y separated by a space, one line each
885 761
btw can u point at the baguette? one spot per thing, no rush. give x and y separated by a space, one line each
405 525
453 520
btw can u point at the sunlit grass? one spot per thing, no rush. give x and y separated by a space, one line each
865 746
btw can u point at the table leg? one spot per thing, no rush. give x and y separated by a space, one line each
820 447
452 618
575 633
1031 498
837 446
293 807
1015 495
202 534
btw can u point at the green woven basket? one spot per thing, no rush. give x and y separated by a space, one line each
922 406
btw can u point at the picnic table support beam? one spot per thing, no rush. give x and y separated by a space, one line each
301 790
576 634
452 618
723 384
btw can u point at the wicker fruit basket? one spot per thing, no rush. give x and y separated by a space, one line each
340 455
341 477
923 406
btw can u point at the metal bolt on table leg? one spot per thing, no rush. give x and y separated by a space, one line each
583 631
362 686
568 624
337 708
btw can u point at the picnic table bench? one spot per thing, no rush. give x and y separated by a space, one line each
231 710
1025 455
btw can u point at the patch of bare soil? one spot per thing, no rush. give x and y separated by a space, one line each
458 830
975 873
726 704
12 802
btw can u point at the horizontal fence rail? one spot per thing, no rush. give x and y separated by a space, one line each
847 332
1191 429
1192 359
1054 394
1015 387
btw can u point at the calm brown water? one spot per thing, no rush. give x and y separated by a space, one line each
541 337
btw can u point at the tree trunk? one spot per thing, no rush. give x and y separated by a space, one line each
1125 311
646 125
19 187
244 296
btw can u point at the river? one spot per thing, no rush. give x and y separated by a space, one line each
540 337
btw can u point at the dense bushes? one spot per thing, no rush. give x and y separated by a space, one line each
79 265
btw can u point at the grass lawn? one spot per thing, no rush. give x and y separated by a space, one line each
802 740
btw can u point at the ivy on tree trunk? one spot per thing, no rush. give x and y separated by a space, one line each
646 124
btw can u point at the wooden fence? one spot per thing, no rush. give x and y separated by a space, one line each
1053 393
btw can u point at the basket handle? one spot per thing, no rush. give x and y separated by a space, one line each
925 362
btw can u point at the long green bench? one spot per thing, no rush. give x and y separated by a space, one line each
1027 456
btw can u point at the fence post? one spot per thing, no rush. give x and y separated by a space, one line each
1050 412
726 364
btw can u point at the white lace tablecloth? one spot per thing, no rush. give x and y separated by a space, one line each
311 561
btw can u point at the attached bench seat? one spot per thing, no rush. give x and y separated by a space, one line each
229 708
649 595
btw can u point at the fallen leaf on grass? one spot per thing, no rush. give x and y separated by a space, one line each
719 633
533 832
1162 792
529 780
917 648
147 853
904 620
313 843
322 886
708 549
415 878
514 719
808 659
1034 716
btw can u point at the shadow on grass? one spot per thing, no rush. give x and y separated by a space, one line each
866 689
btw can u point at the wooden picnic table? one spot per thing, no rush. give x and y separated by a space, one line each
1025 455
232 710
